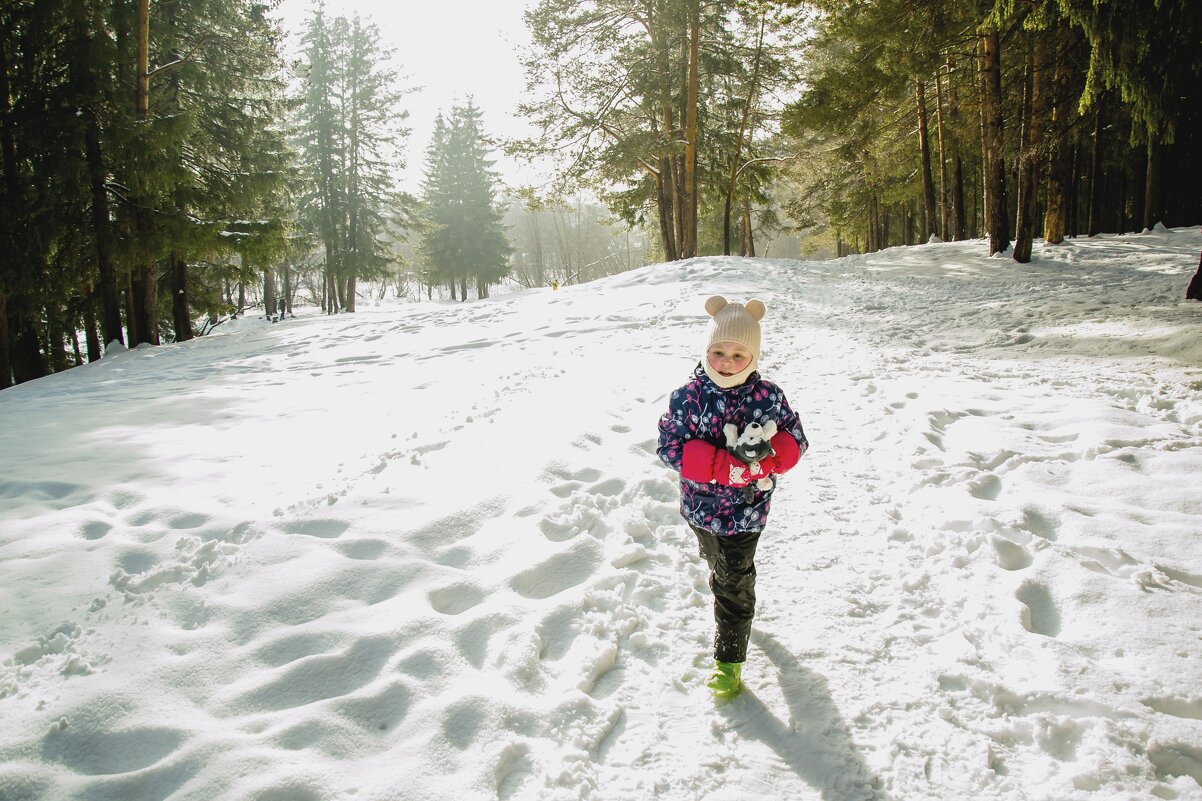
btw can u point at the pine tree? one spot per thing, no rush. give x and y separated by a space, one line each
463 237
228 163
348 130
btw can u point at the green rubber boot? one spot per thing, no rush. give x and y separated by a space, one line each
727 680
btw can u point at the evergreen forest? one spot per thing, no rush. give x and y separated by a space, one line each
167 165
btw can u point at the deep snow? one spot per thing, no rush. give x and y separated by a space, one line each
426 551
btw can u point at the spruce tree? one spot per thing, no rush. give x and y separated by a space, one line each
348 131
463 237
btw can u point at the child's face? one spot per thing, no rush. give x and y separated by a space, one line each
728 358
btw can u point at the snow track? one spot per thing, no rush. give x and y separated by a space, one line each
427 552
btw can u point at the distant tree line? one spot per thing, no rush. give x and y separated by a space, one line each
876 122
1017 119
569 241
144 168
163 169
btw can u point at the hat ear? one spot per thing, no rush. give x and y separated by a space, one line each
715 304
756 309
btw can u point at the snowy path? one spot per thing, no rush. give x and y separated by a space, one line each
428 552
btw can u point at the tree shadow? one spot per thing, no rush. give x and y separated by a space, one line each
815 741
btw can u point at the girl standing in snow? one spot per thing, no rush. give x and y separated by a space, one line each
724 500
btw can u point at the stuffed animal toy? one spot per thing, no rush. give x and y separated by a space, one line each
751 446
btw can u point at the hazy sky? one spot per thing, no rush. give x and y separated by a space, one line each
452 49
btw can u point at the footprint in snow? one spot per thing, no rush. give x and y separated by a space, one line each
292 647
1039 524
560 572
987 487
1176 759
363 549
1039 615
455 599
514 771
564 490
95 529
613 486
1111 562
1189 709
322 528
318 678
557 531
1010 555
1181 576
105 753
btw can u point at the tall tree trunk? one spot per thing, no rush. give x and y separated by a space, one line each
132 318
1154 185
995 165
1139 187
689 246
331 305
288 289
73 338
142 97
924 149
8 161
874 206
1120 204
145 283
1074 190
679 207
956 213
91 335
679 202
1063 102
744 123
665 178
97 174
6 362
110 299
959 222
55 339
181 317
663 184
268 292
352 283
177 262
1031 145
748 244
1094 226
944 216
28 361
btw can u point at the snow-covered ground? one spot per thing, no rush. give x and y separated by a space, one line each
427 552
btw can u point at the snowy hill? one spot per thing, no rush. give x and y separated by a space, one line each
427 552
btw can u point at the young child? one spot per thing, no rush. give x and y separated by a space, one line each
721 497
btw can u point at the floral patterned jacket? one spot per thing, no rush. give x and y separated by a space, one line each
699 410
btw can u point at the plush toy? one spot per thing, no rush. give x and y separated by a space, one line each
751 446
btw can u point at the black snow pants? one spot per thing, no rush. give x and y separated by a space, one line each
731 560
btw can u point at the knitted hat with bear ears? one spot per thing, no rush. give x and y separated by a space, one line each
734 322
